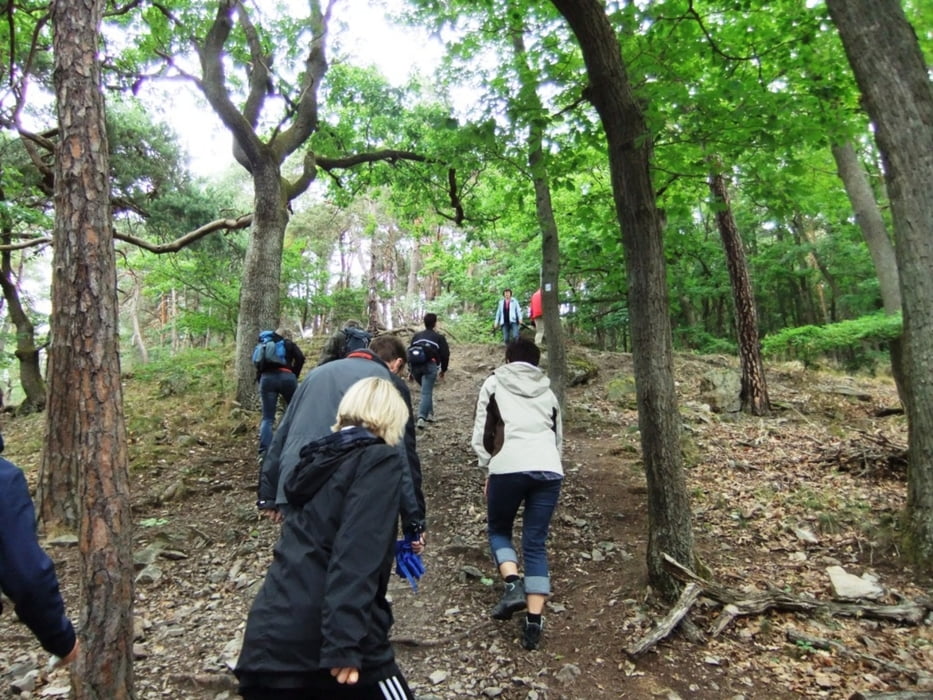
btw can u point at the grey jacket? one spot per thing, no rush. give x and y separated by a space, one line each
310 415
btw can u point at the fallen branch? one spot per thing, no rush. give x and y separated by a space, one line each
687 598
738 603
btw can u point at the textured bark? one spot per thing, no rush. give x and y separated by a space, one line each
86 430
891 73
629 142
754 386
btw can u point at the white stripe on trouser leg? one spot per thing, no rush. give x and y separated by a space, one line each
392 689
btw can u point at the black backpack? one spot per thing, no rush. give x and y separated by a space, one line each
421 352
355 339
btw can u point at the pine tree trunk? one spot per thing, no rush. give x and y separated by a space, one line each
754 387
86 444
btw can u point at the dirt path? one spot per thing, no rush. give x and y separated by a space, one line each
814 466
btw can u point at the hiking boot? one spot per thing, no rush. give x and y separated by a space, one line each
513 600
531 634
421 424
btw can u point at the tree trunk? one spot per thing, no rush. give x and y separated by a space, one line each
550 245
86 434
260 294
754 387
895 84
30 373
669 519
868 216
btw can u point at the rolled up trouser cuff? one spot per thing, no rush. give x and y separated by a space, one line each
538 585
504 554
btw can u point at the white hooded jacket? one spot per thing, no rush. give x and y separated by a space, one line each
517 426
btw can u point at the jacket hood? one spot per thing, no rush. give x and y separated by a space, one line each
320 459
522 379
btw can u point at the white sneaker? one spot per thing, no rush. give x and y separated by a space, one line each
421 424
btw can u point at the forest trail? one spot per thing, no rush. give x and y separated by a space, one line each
823 464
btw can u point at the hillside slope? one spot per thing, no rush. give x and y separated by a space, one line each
776 501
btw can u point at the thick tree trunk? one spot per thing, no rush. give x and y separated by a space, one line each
895 84
85 429
260 294
669 519
754 387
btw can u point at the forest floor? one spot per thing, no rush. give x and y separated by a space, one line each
775 501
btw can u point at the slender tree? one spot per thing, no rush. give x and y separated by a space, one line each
892 75
629 143
86 446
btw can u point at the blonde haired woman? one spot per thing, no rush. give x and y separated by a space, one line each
319 627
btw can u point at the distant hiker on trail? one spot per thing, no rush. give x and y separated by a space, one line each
344 341
27 575
509 317
536 309
517 435
311 414
428 357
319 627
278 363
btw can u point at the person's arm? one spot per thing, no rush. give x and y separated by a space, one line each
27 575
298 359
479 424
364 539
445 354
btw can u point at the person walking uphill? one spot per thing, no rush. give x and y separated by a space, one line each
311 413
517 433
509 317
435 357
277 371
319 627
27 575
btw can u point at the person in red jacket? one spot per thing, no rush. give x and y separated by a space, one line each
27 575
537 316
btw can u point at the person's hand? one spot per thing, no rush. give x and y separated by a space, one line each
348 676
417 546
273 514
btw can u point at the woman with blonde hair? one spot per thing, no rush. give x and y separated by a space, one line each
319 627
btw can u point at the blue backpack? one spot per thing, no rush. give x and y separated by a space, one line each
269 352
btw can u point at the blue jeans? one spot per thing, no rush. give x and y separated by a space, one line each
426 377
539 492
510 332
271 386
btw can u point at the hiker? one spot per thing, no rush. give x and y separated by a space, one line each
536 310
311 413
27 575
508 316
319 627
277 376
431 367
344 341
517 438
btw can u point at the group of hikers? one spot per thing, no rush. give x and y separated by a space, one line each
341 474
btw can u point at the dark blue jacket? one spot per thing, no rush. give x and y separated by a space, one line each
27 575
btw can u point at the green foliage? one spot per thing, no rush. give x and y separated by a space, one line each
858 343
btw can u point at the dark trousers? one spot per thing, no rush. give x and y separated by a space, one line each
394 687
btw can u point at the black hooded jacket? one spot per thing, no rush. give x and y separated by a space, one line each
323 602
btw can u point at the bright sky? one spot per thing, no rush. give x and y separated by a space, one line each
398 52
